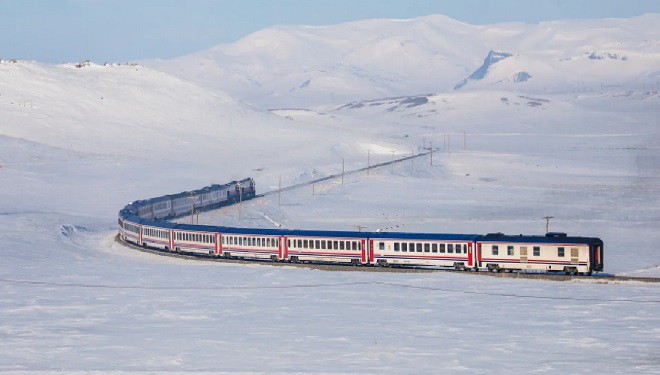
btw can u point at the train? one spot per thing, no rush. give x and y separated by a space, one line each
145 223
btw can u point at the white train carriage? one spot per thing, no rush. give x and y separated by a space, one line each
183 203
251 244
327 246
440 250
156 237
553 252
195 240
130 231
213 195
161 207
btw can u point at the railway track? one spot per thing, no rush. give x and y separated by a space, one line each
392 269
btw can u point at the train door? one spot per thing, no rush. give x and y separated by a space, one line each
596 257
171 240
218 244
575 255
523 254
371 251
363 248
478 255
283 249
470 258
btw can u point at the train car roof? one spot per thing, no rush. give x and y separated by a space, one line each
560 238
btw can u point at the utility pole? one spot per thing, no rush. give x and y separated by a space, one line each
279 193
192 207
240 199
547 223
431 146
412 159
342 171
368 161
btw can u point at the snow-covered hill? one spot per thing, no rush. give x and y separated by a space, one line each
304 66
79 141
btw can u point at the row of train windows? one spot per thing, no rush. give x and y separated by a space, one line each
195 237
161 206
426 247
250 241
156 233
324 245
132 228
536 251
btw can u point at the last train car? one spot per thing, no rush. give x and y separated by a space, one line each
552 252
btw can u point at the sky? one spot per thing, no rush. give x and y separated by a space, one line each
55 31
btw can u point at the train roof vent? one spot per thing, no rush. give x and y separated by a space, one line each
498 234
556 234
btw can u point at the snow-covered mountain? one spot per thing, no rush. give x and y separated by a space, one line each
303 66
79 141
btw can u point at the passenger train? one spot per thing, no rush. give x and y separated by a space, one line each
144 224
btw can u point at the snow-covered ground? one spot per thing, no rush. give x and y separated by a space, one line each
77 144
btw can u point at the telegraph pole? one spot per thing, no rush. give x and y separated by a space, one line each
279 193
431 146
342 171
547 223
368 161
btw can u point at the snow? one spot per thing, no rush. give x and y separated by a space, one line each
77 144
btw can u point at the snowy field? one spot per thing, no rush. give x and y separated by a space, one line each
76 145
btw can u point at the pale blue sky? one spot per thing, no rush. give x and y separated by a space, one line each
124 30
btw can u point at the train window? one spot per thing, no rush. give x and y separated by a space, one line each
240 240
381 246
537 251
396 246
359 245
336 245
496 250
277 241
404 247
288 243
411 247
317 244
442 248
305 244
258 241
419 247
510 251
434 248
323 245
427 248
464 249
341 245
450 248
560 252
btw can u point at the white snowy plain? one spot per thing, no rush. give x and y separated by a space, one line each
76 145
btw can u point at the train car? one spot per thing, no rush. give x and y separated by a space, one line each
156 234
196 239
161 207
552 252
419 249
328 246
251 243
129 231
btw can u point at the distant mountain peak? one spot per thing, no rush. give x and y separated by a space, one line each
492 58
